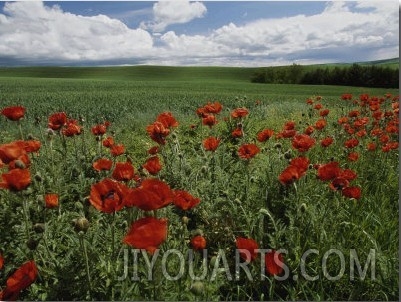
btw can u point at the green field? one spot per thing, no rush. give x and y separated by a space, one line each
279 196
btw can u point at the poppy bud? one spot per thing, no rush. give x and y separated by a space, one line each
79 205
30 136
81 224
237 200
20 164
303 208
185 220
39 227
32 244
277 146
288 154
197 288
253 179
213 261
204 169
180 155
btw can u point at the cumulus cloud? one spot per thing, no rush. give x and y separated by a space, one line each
343 31
174 12
33 30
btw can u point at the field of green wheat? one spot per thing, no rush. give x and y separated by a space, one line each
154 183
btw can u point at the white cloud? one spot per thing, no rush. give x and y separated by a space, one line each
33 30
353 31
174 12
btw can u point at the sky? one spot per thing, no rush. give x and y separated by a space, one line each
197 33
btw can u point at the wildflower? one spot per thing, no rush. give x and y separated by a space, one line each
167 119
328 171
248 151
326 142
239 112
152 194
71 128
214 108
352 192
108 142
57 120
371 146
353 156
198 243
309 130
102 164
184 200
264 135
274 262
147 233
290 125
158 132
123 171
302 142
21 279
324 112
10 152
289 175
209 120
237 133
117 150
320 124
51 200
16 180
250 246
351 143
318 106
211 143
339 183
153 150
14 113
108 195
99 129
152 165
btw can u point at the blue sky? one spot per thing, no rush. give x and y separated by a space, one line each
224 33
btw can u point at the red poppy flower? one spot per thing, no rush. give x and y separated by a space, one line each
117 150
339 183
328 171
353 156
248 151
239 112
123 171
249 245
264 135
384 138
371 146
302 164
167 119
153 150
237 133
290 125
274 263
361 122
309 130
318 106
346 96
57 120
147 233
303 142
353 113
214 108
211 143
352 192
108 142
151 195
51 200
320 124
351 143
102 164
13 113
21 279
71 128
288 133
348 174
152 165
16 180
158 132
289 175
108 195
99 129
201 112
343 120
1 261
376 132
184 200
30 145
326 142
209 120
198 243
324 112
10 152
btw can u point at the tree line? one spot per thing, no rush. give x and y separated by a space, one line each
353 75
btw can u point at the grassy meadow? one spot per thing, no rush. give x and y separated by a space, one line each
254 192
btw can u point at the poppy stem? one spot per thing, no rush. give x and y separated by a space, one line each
84 251
20 130
26 218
